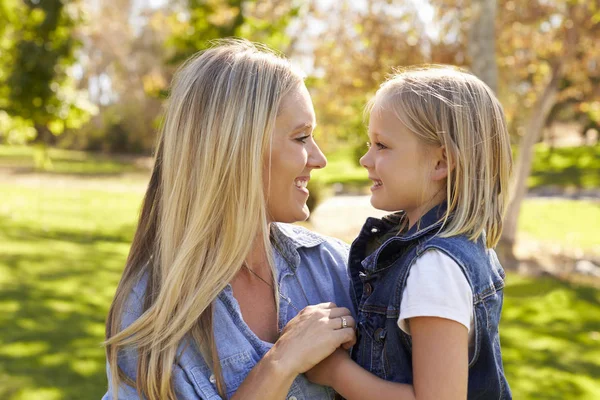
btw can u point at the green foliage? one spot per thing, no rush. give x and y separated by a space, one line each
36 90
575 167
210 20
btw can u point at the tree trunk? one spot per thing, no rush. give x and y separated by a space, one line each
482 42
534 128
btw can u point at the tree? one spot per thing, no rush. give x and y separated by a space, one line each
482 46
547 53
354 53
196 22
37 89
562 47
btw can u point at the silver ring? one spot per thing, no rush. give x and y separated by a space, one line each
344 322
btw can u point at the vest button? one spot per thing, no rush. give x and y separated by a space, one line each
368 289
379 334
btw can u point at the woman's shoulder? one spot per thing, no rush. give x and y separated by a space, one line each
134 306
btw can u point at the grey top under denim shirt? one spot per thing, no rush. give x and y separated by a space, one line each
311 270
379 278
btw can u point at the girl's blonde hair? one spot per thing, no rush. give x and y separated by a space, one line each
204 206
445 106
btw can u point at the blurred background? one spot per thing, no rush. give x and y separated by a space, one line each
81 89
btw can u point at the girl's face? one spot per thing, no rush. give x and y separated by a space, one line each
406 173
294 155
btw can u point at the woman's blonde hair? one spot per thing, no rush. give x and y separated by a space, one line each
204 206
445 106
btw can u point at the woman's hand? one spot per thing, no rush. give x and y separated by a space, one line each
311 336
324 372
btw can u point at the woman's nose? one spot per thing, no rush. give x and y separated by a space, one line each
316 158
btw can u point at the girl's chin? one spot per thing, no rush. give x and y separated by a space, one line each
381 205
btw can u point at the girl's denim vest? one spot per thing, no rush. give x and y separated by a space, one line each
379 280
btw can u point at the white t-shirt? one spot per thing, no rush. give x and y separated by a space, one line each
437 287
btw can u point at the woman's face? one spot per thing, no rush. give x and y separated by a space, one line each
294 155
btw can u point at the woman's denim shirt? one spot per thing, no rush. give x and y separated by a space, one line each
379 280
311 271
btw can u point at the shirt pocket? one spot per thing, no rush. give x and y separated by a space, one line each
234 368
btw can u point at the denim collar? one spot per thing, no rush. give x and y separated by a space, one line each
296 236
288 239
432 219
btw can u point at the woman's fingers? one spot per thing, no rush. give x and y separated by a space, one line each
342 322
339 312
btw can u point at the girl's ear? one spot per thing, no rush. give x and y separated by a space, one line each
441 166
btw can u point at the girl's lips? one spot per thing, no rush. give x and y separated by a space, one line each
376 183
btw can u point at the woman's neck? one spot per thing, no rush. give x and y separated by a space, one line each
257 259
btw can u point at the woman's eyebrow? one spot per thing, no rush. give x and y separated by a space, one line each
303 127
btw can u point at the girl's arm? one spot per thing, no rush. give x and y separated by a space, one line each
440 367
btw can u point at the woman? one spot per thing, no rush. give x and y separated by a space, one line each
219 299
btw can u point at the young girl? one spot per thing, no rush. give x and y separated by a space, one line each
427 284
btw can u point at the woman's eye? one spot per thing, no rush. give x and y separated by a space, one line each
303 139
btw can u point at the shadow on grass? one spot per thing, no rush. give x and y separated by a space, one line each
60 284
550 339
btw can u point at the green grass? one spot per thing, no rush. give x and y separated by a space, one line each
569 224
567 167
61 256
62 253
65 161
550 336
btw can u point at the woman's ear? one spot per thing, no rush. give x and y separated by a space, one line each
441 164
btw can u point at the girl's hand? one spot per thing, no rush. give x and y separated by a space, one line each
324 372
311 336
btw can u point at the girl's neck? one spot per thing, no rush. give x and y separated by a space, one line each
415 215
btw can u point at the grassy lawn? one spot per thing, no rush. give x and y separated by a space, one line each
62 252
65 161
61 255
550 335
566 223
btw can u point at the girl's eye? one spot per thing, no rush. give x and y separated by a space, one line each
379 145
303 139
